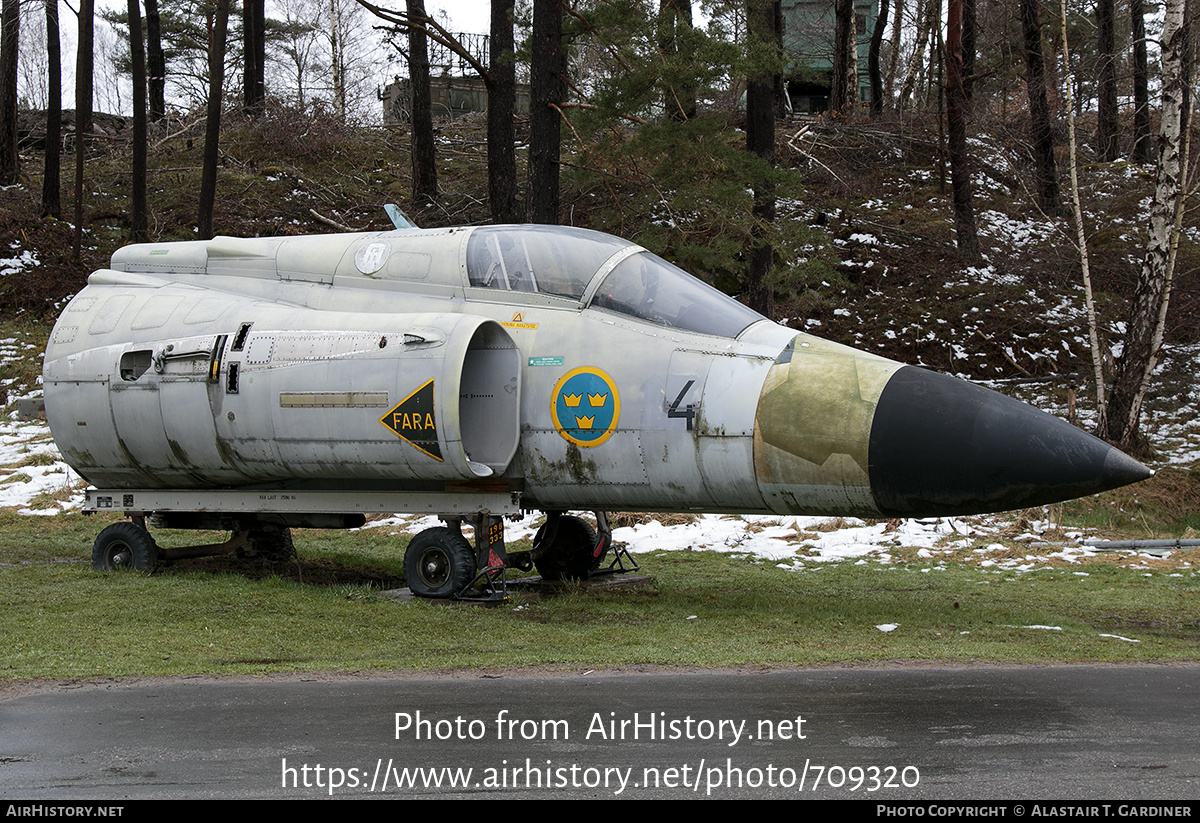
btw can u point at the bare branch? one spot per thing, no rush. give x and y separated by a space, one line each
592 31
433 30
332 223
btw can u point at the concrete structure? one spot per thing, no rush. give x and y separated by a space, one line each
451 97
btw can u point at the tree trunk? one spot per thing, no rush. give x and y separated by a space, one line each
1190 10
760 140
1045 170
937 54
968 46
84 59
925 24
894 57
253 56
674 19
51 180
843 93
337 62
778 85
502 158
1085 266
1142 144
1107 129
156 63
960 173
424 151
873 70
546 95
212 128
1147 315
137 55
9 38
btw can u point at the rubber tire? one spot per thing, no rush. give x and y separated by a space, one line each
569 557
273 544
439 562
123 547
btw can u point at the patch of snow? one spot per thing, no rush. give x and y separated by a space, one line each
865 239
27 259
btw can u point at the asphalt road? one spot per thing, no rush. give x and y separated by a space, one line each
1115 732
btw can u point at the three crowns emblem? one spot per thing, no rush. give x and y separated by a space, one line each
586 406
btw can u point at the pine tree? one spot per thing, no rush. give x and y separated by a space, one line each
254 55
51 176
156 63
84 57
501 82
1107 130
137 213
212 129
424 151
545 106
760 141
843 94
964 211
9 38
1039 109
1142 144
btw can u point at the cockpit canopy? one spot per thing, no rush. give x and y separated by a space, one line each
563 262
553 260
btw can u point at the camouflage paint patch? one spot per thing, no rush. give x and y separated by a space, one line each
814 423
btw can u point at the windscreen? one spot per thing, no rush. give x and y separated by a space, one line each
649 288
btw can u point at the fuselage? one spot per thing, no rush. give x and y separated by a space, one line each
571 366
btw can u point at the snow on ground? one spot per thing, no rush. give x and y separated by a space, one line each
792 542
33 472
19 262
31 469
1016 233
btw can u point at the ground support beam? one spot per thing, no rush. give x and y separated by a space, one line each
140 502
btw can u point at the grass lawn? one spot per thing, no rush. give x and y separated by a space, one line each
324 612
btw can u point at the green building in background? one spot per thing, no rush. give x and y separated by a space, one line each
808 28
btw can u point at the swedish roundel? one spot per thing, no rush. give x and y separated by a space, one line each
586 406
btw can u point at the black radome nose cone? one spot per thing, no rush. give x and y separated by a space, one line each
943 446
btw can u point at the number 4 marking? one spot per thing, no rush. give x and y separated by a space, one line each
688 413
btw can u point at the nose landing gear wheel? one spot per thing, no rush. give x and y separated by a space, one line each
438 563
273 544
571 552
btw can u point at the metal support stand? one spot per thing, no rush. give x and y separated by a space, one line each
491 559
620 555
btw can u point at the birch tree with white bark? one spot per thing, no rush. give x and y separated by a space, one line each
1140 354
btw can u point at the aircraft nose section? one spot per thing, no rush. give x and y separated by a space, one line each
942 446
